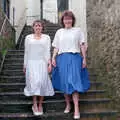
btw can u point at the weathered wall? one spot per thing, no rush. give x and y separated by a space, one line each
7 33
103 22
20 8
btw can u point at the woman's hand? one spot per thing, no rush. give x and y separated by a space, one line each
49 68
24 70
54 62
84 64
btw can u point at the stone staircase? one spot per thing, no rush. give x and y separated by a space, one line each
15 106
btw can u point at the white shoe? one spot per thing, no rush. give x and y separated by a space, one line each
34 112
67 110
40 113
77 116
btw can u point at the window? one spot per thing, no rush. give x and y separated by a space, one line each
5 5
62 5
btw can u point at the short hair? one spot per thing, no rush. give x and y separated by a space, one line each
39 21
68 13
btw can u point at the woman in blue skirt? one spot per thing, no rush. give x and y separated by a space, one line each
69 74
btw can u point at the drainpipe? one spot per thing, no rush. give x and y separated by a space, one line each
41 9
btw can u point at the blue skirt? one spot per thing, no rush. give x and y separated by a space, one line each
68 76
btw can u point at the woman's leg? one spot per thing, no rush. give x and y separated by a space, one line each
68 106
35 103
76 104
41 98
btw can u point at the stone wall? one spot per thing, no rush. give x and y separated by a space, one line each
7 35
103 22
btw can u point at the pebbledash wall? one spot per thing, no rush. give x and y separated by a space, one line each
103 25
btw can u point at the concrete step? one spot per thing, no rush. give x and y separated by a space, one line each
101 114
19 72
21 78
20 95
14 50
18 87
53 105
12 72
16 55
13 60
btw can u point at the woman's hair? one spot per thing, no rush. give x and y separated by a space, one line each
68 13
39 21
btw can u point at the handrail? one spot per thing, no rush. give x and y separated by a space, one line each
3 26
1 66
20 42
5 19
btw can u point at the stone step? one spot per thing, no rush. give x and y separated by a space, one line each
13 60
15 65
16 55
101 114
12 79
20 95
12 64
7 70
21 78
53 105
15 51
49 30
19 72
12 72
18 87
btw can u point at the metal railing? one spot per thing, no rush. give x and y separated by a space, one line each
6 19
2 63
2 28
22 38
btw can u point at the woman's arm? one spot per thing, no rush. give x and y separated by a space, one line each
55 52
83 50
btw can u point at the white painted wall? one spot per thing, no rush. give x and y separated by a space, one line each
50 10
79 9
20 15
33 10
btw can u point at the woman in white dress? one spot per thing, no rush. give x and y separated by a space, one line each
37 64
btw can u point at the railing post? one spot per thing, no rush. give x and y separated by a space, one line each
41 9
13 16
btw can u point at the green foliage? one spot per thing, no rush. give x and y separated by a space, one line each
6 43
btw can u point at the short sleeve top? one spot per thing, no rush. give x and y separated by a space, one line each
68 40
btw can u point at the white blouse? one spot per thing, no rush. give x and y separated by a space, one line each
37 49
68 40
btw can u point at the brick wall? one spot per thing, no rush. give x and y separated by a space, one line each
103 22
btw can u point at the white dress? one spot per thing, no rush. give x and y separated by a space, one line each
37 54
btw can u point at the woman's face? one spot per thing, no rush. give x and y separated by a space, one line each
37 28
67 21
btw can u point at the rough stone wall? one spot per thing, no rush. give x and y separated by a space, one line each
7 35
103 23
